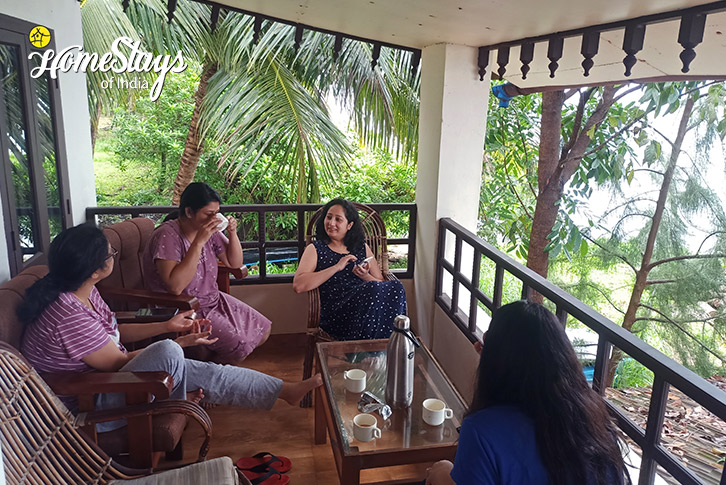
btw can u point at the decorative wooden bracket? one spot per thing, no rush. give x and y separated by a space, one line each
337 46
376 55
298 36
215 18
483 60
632 44
170 9
690 35
526 54
590 46
256 28
415 60
554 53
502 60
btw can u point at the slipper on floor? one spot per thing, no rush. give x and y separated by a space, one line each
269 477
259 463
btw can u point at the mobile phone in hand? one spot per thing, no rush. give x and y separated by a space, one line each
366 261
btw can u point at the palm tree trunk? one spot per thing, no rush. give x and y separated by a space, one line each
193 144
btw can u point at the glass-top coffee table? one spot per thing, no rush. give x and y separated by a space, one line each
405 439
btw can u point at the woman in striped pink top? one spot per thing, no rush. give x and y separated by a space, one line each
70 328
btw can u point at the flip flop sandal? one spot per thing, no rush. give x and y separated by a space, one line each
270 477
258 463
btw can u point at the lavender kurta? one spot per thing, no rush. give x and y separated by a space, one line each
238 326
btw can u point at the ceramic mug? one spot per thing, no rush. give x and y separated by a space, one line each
355 380
365 427
435 412
223 222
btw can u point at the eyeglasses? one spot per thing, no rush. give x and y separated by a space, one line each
113 254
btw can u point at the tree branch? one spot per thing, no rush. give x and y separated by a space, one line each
648 170
667 319
659 282
616 134
607 250
599 290
514 190
681 258
577 124
706 238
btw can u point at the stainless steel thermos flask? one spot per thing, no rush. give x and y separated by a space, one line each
399 361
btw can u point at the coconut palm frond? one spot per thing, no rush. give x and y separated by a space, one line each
270 111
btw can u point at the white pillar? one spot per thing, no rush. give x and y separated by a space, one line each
452 125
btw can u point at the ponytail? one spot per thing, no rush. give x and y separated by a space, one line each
37 298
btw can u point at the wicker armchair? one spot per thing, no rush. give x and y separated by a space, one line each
375 236
41 442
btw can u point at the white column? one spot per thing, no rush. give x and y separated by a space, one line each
452 125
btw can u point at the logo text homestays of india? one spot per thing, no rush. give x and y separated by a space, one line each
125 56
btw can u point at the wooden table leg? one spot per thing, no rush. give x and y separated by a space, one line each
320 425
350 472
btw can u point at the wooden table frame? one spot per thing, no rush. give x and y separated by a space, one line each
349 466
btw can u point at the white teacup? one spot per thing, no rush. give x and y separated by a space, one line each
435 412
365 427
223 222
355 380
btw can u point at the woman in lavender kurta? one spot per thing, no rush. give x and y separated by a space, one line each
181 257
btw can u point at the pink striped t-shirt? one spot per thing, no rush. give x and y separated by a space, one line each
67 331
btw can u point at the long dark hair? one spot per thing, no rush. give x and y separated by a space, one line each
196 196
73 256
528 362
355 237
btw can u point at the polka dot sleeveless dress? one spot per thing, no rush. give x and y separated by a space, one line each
353 309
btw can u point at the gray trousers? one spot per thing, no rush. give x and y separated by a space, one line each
222 384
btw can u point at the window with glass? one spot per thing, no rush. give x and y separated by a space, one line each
33 183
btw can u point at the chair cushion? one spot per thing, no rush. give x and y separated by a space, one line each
219 471
166 432
11 295
129 238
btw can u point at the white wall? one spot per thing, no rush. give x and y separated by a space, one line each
289 310
64 18
452 124
4 266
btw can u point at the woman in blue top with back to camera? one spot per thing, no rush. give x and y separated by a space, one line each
534 419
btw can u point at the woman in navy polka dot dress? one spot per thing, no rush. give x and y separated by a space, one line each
356 303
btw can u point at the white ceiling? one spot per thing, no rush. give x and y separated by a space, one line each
420 23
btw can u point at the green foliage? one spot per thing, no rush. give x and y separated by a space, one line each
377 177
153 132
631 373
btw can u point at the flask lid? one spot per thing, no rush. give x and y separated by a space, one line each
402 322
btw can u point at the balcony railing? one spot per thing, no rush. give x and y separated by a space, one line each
254 224
666 371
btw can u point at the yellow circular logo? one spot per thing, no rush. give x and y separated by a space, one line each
39 36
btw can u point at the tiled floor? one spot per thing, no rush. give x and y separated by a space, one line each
285 430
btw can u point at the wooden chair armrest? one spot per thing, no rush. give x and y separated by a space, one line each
238 273
389 277
188 408
145 297
159 384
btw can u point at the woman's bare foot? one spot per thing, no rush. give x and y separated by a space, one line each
293 392
195 396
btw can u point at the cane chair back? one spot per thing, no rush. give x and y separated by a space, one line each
40 440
